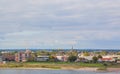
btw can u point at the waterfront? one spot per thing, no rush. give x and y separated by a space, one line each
43 71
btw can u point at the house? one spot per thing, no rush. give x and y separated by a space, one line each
27 53
107 58
22 56
118 61
82 60
89 58
8 57
42 58
62 58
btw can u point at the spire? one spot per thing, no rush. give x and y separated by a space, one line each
72 47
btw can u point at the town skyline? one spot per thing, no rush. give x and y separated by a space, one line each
60 24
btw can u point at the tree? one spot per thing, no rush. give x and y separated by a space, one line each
42 53
52 59
99 57
32 57
103 52
72 52
95 59
72 58
86 54
118 53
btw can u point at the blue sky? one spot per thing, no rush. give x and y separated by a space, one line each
59 24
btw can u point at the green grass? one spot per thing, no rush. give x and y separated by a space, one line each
66 64
54 65
114 66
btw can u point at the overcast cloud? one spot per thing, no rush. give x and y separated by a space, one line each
59 23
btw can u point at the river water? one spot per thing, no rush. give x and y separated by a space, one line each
28 71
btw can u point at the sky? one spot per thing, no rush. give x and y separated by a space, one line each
58 24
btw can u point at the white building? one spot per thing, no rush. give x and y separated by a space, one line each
62 58
42 58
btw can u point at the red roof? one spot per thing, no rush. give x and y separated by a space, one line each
106 59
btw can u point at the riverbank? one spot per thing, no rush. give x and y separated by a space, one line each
64 68
59 66
113 69
52 65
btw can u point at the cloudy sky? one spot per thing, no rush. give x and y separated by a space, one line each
59 23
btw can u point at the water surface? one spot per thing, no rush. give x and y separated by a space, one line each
19 71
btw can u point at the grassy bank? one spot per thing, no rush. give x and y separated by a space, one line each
102 68
59 65
51 65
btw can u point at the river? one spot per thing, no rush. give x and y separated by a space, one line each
40 71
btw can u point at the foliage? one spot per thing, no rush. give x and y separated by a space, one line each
72 58
86 54
118 53
72 52
52 59
32 57
102 68
38 53
99 56
103 53
95 59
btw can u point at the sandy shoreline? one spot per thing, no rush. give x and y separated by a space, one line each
84 69
113 69
88 69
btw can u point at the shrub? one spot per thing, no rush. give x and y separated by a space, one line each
72 58
95 59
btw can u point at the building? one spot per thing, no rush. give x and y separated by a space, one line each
42 58
63 58
89 58
108 58
8 57
22 56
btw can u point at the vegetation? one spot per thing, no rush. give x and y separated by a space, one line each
52 59
103 53
102 68
52 65
95 59
86 54
59 65
32 57
99 57
72 58
38 53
